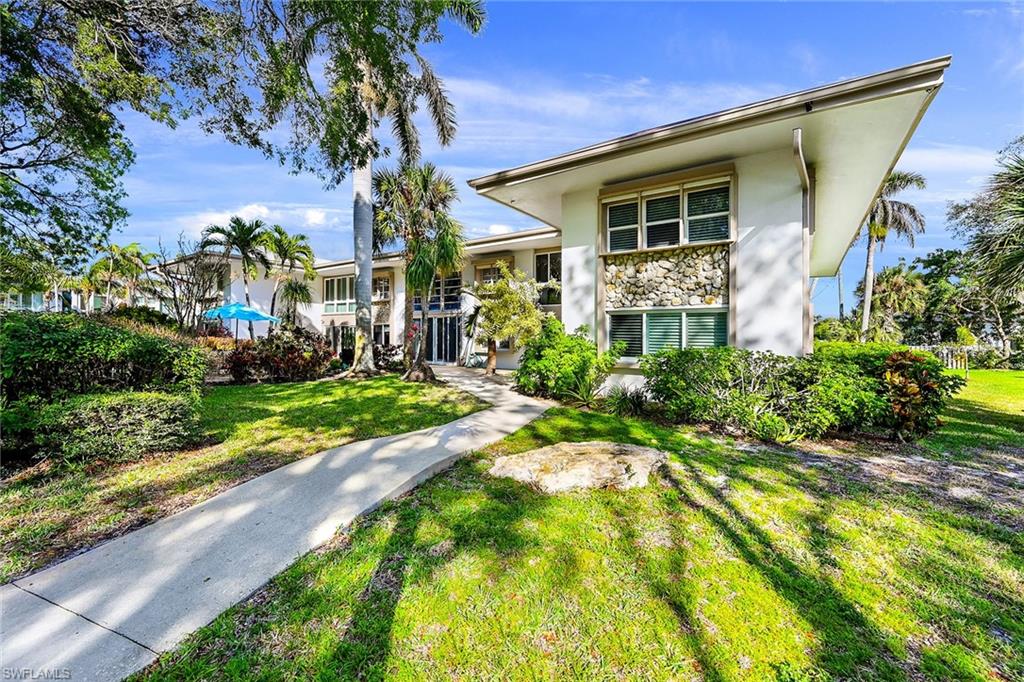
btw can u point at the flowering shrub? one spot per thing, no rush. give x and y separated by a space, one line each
288 354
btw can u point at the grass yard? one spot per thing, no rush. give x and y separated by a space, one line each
740 562
48 513
988 413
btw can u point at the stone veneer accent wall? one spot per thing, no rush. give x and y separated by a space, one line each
674 277
382 312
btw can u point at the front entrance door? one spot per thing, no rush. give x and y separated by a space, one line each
444 339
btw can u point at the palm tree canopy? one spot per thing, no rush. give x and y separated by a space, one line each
412 206
290 251
1000 251
899 217
241 237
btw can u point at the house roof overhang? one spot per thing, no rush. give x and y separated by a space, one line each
853 133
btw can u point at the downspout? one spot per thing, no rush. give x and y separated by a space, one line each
807 205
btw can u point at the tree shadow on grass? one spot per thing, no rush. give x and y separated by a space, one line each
405 560
850 646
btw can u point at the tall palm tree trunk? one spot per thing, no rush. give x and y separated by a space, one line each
248 302
869 285
362 227
407 340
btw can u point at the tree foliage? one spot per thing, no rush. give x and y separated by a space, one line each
508 310
66 70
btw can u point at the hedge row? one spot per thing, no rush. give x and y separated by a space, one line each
53 355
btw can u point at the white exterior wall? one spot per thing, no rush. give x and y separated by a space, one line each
398 306
579 260
769 262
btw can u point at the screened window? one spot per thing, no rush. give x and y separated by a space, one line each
382 334
629 329
548 269
490 274
707 214
661 221
649 332
339 295
623 226
24 301
382 288
706 329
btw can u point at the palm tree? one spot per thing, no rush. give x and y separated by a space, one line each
899 291
888 215
121 271
470 15
244 238
999 251
290 252
294 293
413 206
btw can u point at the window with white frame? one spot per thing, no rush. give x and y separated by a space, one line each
707 214
382 334
24 301
651 331
382 288
668 217
623 226
661 220
339 295
548 270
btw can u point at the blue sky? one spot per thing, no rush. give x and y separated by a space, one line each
544 78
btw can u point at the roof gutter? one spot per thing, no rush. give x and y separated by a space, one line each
920 76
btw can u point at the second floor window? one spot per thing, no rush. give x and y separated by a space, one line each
443 295
548 270
339 295
382 288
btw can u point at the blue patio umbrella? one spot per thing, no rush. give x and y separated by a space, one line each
236 312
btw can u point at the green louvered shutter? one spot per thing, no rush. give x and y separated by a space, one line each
626 216
630 329
664 330
659 211
706 329
707 215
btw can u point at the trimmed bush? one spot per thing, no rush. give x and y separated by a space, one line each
116 426
842 387
288 354
564 366
54 355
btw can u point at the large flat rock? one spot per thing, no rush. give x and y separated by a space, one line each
572 466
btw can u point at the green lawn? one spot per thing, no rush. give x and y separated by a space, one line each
987 413
46 513
739 562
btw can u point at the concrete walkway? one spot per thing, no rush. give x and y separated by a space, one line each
112 610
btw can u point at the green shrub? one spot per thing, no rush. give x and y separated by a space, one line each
777 398
144 315
53 355
726 386
869 358
624 401
772 428
564 366
288 354
18 427
918 388
831 395
116 426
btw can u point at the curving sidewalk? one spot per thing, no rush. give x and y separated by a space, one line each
110 611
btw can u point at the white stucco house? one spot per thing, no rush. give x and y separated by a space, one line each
701 232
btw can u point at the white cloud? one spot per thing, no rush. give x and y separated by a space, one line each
289 216
499 229
806 58
948 158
